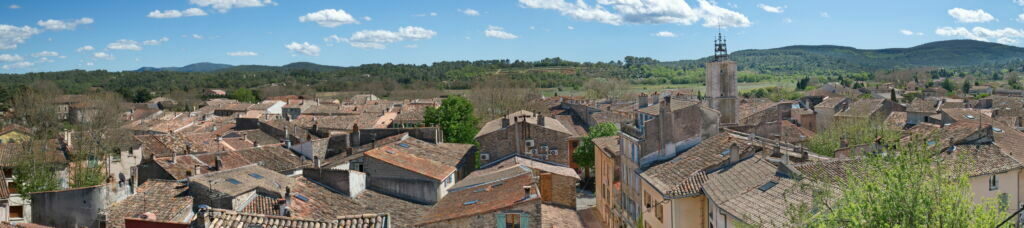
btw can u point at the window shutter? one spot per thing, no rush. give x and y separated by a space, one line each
524 219
501 220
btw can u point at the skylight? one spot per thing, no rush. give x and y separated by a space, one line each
257 176
969 116
301 197
233 181
766 186
403 145
997 130
471 202
726 152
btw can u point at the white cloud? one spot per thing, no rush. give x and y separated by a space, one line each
224 5
85 48
329 18
411 46
44 60
45 53
617 12
1020 17
102 55
470 12
191 12
22 64
52 24
89 64
242 53
970 16
304 48
378 39
907 32
13 6
787 20
197 36
570 27
533 28
1004 35
124 44
367 18
433 14
771 9
825 15
10 58
156 42
664 34
498 32
1019 2
11 36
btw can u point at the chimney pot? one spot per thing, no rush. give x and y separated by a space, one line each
219 164
197 170
526 189
540 120
504 122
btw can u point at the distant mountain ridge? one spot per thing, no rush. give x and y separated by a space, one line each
216 67
789 59
949 53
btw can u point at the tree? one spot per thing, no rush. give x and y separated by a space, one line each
497 96
142 95
803 83
948 85
33 172
243 95
584 154
966 87
35 106
853 132
909 186
605 88
456 119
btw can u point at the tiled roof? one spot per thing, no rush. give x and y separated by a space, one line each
488 176
168 200
408 161
608 144
896 119
15 127
555 216
446 153
923 105
180 167
262 204
829 171
675 104
536 165
245 179
483 199
829 103
737 190
676 177
11 152
324 203
862 108
412 112
983 159
549 123
220 218
275 158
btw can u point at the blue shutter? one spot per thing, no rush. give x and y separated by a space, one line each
524 219
501 220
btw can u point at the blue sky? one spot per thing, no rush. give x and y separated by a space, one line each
39 35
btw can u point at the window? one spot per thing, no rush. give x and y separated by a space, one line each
512 221
12 188
993 183
9 173
15 212
448 180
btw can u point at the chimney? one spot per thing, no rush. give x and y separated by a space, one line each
174 157
287 202
196 170
526 189
316 160
540 120
642 100
218 164
734 154
892 95
504 122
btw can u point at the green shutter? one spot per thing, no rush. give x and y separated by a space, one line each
501 220
524 219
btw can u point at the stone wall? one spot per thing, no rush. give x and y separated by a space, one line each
349 182
513 140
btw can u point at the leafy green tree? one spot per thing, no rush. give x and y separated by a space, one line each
966 87
32 171
948 85
142 95
907 187
853 132
584 154
455 118
243 95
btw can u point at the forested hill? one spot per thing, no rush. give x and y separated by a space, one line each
806 58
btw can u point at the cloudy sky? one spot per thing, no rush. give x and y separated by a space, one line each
45 35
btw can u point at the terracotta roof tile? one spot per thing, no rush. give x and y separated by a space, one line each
169 200
411 162
483 199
